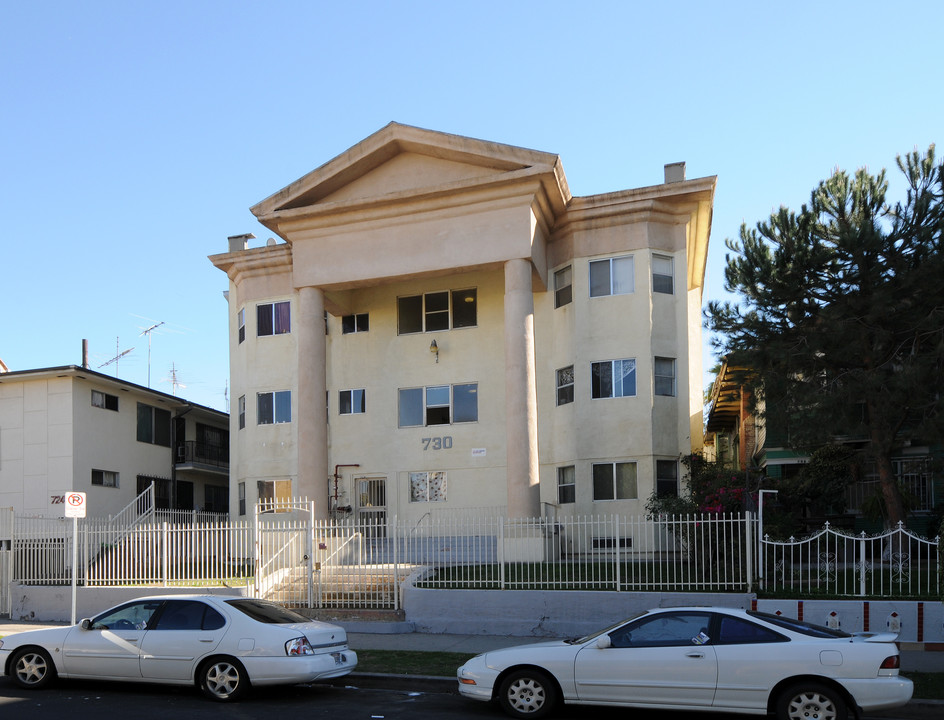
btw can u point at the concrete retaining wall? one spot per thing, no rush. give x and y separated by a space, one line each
44 603
532 613
571 613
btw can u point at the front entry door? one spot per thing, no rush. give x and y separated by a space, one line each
372 506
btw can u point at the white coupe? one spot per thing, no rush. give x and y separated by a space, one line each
713 659
221 644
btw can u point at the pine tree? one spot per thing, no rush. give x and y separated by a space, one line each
840 314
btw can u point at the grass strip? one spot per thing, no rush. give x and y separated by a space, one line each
410 662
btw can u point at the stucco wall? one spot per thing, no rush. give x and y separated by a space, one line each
526 613
43 603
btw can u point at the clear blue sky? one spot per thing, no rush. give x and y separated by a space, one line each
135 136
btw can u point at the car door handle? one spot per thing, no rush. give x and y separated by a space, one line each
695 655
206 640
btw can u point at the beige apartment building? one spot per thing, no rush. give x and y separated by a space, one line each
438 325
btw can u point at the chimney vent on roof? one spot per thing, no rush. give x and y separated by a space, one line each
674 172
240 242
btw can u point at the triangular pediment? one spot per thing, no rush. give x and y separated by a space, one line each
401 161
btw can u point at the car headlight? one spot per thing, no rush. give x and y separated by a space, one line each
298 646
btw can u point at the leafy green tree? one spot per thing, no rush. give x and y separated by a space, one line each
840 314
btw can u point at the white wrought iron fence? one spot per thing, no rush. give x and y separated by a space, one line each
286 555
895 563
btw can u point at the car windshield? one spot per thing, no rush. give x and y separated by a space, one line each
604 631
800 626
266 612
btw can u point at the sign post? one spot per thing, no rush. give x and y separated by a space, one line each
75 509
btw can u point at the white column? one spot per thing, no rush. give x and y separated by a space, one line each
312 421
521 410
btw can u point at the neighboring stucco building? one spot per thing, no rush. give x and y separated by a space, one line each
483 338
70 428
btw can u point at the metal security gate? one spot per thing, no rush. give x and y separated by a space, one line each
372 505
284 557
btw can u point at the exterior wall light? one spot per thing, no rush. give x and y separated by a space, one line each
434 348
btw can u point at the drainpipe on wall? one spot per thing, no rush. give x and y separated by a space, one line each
173 457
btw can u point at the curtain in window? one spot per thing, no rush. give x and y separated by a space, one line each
283 317
428 487
626 481
622 275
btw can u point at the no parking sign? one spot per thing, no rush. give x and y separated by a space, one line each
75 509
75 504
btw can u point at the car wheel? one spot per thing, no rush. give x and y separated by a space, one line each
32 668
527 694
811 702
223 679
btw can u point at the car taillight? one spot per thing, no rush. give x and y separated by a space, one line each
298 646
893 662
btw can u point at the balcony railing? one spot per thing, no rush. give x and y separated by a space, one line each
192 452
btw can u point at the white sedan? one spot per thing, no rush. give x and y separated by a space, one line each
712 659
222 644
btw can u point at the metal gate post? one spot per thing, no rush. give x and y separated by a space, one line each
310 553
256 566
396 564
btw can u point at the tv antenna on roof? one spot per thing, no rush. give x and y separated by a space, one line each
118 356
173 379
148 333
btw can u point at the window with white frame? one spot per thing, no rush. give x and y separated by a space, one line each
242 498
241 410
241 322
443 310
614 481
428 486
274 407
667 478
355 323
613 378
438 405
105 478
565 385
563 286
665 376
352 402
566 485
273 318
104 400
663 275
612 276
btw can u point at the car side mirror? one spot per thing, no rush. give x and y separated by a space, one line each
86 623
604 642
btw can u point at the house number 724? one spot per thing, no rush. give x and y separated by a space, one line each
437 443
